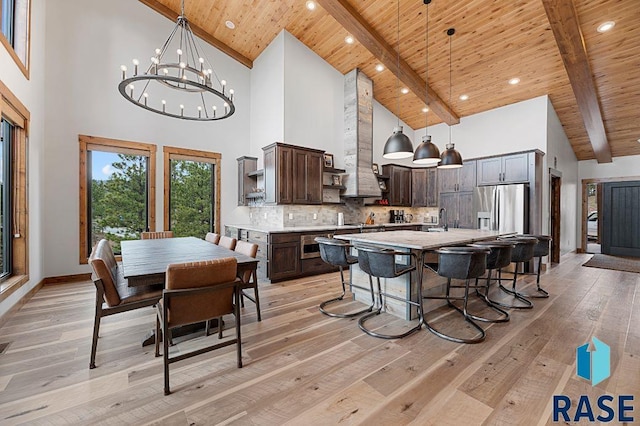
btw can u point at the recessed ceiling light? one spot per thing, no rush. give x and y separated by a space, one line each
379 67
425 109
311 5
349 39
404 90
514 81
638 140
606 26
230 25
464 97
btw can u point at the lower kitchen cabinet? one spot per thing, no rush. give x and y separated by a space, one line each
284 260
459 208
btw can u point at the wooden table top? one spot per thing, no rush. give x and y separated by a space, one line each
420 240
144 262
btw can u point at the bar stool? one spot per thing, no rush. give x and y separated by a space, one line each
498 257
380 263
462 263
522 251
336 253
540 250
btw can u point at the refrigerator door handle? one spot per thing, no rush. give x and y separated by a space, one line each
495 212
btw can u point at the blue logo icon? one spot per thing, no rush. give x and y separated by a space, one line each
593 361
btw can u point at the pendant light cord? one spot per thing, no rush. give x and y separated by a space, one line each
426 71
398 63
450 33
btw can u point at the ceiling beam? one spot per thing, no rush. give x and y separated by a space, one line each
168 13
563 18
355 24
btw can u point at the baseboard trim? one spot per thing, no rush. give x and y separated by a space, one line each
64 279
24 299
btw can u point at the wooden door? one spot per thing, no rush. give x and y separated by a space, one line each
432 187
405 186
314 177
465 210
448 180
489 171
284 172
467 177
515 168
419 187
299 181
555 218
621 218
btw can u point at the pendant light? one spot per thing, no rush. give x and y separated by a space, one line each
398 145
451 159
427 153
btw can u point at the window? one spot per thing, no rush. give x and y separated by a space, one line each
117 191
15 31
192 202
14 119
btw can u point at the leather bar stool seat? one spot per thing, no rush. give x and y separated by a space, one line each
461 263
381 263
336 253
523 250
498 257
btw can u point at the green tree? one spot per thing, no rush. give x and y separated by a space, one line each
191 198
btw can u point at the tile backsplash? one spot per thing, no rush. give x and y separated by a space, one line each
354 212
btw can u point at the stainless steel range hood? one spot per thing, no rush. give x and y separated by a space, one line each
360 180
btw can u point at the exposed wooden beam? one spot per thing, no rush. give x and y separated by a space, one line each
353 22
168 13
566 29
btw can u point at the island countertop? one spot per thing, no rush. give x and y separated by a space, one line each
418 240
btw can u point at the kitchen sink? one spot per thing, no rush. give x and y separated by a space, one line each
436 230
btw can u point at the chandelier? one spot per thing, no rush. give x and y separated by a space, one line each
182 86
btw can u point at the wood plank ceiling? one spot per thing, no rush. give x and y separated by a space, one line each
495 40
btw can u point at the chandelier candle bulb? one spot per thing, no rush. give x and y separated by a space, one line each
135 66
146 96
124 71
131 89
164 106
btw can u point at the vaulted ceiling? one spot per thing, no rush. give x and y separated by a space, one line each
552 46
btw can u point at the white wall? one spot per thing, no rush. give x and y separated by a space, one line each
29 92
561 157
87 41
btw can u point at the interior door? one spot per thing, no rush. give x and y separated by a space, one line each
621 218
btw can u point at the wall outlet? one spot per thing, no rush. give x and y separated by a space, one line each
315 216
290 216
250 215
265 215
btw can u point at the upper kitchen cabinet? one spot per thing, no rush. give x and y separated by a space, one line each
292 174
462 179
399 184
424 187
512 168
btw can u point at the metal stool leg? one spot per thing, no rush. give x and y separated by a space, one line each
504 316
519 296
341 297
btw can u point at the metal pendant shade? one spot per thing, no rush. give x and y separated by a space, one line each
398 145
450 159
427 153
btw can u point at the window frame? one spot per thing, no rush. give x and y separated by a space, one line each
12 110
24 66
89 143
174 153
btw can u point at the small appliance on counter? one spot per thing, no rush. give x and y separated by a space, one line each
340 219
397 216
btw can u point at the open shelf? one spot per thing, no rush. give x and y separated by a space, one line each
334 170
340 187
256 173
253 195
385 177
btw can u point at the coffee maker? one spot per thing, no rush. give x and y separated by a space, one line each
397 216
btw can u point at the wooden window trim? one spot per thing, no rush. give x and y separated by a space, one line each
13 110
88 143
174 153
24 68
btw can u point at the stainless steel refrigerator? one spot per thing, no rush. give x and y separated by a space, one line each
503 208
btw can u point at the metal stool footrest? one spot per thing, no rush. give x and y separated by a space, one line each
341 297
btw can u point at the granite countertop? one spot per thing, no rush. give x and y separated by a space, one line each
319 228
422 240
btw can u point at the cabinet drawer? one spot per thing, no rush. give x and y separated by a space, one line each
285 238
262 250
316 265
257 237
243 235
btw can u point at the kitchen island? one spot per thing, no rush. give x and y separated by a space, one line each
409 242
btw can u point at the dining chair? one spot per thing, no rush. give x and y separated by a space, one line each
212 237
113 294
227 242
251 250
197 292
156 235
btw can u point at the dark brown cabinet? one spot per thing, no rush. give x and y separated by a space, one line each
504 169
292 175
459 208
399 184
462 179
424 190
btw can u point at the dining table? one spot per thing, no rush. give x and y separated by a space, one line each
144 263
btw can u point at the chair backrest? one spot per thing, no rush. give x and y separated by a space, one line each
186 308
156 235
377 262
542 246
248 249
500 255
523 247
462 262
332 251
104 266
212 237
227 242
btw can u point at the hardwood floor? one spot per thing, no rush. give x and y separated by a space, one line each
301 367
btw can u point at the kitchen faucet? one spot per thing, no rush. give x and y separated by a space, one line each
443 212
